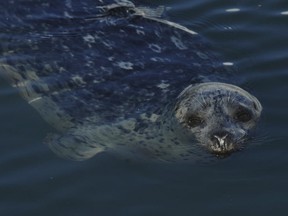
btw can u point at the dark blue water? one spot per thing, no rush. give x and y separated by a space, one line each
253 35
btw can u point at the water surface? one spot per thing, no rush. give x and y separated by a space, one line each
252 35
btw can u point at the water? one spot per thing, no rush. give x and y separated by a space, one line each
33 181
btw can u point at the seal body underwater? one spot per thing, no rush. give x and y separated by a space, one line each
110 76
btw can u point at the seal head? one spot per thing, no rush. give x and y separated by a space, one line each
219 115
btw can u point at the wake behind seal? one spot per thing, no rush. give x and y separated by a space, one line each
118 78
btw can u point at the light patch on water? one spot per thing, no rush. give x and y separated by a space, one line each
155 48
228 28
178 43
232 10
125 65
228 63
284 13
89 39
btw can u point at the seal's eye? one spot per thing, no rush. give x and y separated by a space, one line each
243 115
194 120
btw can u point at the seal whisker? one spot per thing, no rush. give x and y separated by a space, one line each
203 98
201 103
229 97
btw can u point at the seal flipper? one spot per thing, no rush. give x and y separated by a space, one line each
72 146
46 107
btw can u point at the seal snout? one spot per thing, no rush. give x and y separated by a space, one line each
221 142
219 115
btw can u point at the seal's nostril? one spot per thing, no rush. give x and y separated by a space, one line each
221 140
221 134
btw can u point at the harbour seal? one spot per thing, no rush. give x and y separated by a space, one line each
110 76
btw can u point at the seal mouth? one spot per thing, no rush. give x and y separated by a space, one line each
222 149
222 145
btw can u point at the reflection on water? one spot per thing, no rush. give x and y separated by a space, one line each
248 34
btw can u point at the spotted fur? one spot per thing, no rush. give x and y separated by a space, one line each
107 75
